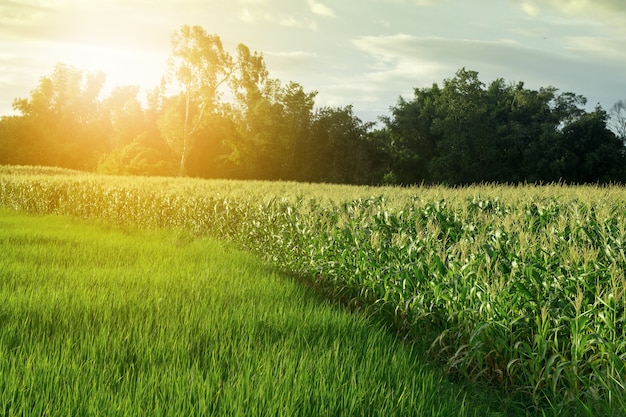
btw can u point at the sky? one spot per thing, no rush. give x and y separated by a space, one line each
364 53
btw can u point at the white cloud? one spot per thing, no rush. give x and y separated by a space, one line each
321 9
404 60
530 8
607 11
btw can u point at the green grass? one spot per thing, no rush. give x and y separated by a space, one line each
99 320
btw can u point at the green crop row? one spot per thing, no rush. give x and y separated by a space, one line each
520 287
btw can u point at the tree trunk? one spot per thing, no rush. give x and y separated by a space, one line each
183 156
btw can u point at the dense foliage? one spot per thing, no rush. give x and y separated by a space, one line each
467 132
220 115
522 288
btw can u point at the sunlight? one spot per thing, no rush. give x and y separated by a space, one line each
122 66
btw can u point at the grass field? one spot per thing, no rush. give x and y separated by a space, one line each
98 320
522 289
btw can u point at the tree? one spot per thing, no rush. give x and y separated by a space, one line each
589 151
250 82
468 132
527 134
199 67
464 148
139 157
411 141
297 113
21 142
138 148
211 153
617 120
64 115
337 149
128 119
274 125
257 114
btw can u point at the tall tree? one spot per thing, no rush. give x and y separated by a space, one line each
256 114
463 151
273 128
250 82
198 67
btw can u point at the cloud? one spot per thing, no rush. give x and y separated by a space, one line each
407 55
586 6
399 63
321 9
530 8
258 13
606 10
572 6
22 19
284 20
13 10
402 60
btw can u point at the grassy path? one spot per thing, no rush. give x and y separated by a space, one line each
102 321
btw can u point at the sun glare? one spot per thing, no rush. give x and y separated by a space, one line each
122 66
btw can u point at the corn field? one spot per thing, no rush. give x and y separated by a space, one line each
519 287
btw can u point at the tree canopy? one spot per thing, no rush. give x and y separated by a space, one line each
466 132
219 114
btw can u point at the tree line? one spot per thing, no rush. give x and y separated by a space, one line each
221 115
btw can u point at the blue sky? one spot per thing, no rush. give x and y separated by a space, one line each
360 52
